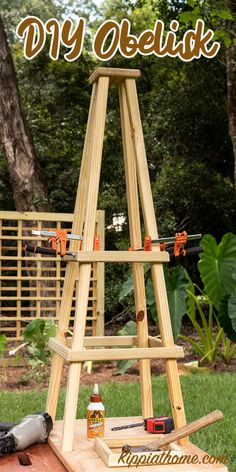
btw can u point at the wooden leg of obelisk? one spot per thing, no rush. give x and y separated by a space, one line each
157 269
72 267
85 269
138 271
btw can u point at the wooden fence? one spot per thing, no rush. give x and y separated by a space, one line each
31 284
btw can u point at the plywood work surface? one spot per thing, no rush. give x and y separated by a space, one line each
85 459
36 458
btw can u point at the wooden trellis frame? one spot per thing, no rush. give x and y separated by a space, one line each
25 293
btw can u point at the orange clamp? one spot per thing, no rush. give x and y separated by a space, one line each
61 235
53 240
180 241
147 243
58 242
96 243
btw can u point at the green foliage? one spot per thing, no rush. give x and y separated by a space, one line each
208 201
36 335
3 341
129 329
217 15
209 341
218 273
226 315
176 286
217 267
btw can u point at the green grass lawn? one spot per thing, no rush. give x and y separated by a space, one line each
203 393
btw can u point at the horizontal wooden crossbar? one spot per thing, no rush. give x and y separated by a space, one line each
122 256
114 354
94 341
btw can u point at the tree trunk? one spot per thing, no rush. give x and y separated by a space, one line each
28 186
29 190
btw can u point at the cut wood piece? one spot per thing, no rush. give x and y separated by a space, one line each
122 256
118 74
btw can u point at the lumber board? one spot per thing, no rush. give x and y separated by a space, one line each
91 194
117 74
136 243
122 256
158 279
84 458
72 355
35 216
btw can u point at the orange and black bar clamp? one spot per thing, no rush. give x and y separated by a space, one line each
47 251
57 239
178 242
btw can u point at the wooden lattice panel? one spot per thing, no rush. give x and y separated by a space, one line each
31 284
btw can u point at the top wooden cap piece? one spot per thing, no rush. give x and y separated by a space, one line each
117 75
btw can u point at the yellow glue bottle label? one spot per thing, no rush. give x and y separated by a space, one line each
95 415
95 423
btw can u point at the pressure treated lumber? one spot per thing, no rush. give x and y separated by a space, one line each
71 269
114 354
156 269
85 268
122 256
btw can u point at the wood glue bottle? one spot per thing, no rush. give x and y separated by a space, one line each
95 415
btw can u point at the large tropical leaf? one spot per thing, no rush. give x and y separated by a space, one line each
129 329
217 265
232 309
227 315
191 305
127 288
176 286
128 285
151 299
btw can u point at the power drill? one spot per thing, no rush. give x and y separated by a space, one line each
32 429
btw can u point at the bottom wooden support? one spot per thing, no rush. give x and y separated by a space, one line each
85 458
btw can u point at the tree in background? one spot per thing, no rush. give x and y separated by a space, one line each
220 15
28 186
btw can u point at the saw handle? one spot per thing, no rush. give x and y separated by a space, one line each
178 433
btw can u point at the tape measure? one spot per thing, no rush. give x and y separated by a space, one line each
156 425
159 425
